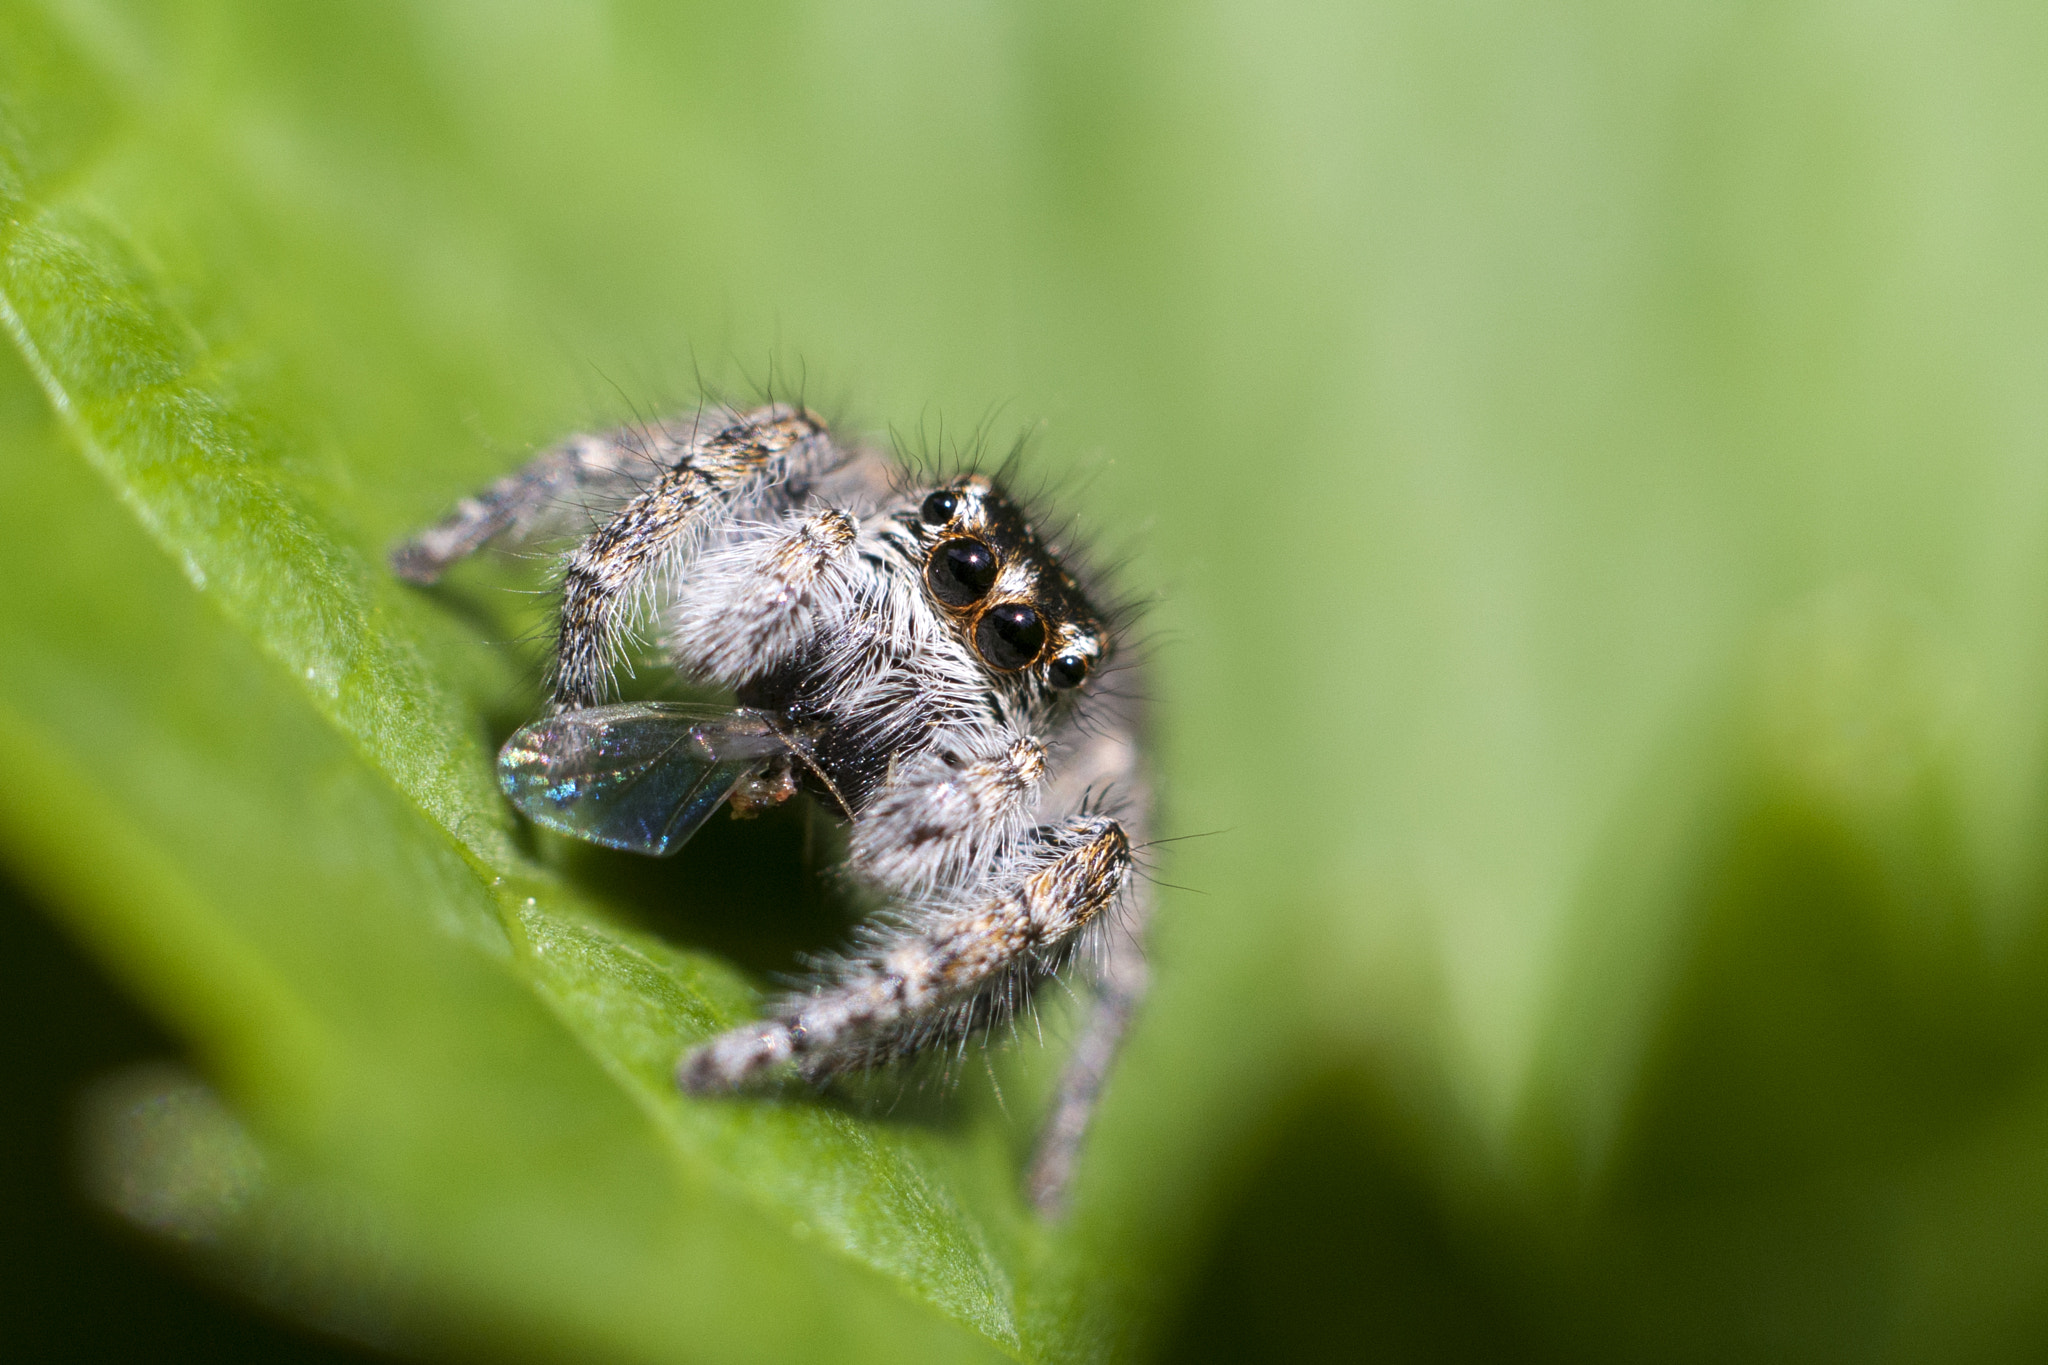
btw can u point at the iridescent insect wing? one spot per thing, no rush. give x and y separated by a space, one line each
640 776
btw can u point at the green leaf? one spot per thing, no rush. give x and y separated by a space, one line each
281 822
1595 460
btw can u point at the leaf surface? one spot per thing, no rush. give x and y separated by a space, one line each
1594 461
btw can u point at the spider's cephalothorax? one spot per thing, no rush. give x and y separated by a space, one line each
915 656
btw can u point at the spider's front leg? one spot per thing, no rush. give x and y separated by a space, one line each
583 475
658 490
928 979
609 574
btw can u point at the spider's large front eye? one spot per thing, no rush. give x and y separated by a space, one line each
1009 636
938 509
961 572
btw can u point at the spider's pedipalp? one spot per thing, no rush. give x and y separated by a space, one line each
755 600
941 819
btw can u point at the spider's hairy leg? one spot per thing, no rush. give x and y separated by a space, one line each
1110 761
580 473
719 467
907 985
753 602
1119 990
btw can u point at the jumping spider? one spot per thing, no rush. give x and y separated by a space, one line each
916 658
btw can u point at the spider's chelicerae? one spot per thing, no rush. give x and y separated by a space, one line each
914 656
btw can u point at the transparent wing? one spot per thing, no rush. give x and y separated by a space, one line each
641 776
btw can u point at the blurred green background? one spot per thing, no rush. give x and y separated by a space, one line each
1592 461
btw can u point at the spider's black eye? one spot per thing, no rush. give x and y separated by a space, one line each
938 509
1009 636
961 571
1069 670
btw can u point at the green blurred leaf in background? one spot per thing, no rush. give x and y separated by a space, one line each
1594 461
